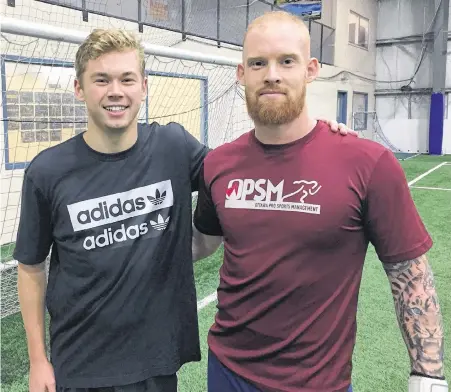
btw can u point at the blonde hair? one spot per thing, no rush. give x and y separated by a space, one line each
102 41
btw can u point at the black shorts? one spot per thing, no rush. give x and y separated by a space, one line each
153 384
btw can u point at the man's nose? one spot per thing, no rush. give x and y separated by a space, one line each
272 75
115 89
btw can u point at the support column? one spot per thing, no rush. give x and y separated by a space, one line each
437 107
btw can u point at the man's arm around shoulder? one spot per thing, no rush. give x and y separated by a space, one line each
207 230
204 245
420 320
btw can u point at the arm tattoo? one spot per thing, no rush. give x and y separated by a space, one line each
418 313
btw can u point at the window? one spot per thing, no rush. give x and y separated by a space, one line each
358 30
342 98
40 105
360 111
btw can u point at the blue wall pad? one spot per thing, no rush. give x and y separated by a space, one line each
436 120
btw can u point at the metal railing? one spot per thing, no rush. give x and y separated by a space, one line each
223 21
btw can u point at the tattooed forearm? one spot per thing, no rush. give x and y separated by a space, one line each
418 312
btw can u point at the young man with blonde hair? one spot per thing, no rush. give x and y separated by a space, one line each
297 207
113 205
116 211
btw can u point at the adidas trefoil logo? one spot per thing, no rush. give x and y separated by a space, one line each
158 199
161 223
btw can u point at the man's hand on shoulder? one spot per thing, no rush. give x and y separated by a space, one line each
338 127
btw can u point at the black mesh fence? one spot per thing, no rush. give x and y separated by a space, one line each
224 21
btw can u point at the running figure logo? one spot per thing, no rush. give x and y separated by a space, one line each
307 188
262 194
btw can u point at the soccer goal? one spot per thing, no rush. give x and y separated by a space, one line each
368 124
39 109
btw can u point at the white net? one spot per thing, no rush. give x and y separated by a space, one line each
368 123
39 111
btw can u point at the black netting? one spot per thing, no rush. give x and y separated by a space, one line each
224 21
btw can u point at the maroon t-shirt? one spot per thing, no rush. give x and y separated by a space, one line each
297 220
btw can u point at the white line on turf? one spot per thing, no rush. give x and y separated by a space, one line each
431 188
426 173
212 297
206 301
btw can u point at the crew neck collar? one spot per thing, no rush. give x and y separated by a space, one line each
274 148
116 156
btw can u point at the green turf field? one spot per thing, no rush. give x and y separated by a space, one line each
381 363
6 252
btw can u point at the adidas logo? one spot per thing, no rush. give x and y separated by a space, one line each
117 207
111 236
160 224
158 199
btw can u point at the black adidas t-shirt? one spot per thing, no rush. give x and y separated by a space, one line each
121 292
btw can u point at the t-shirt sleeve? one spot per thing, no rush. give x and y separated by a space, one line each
205 216
34 236
392 221
197 153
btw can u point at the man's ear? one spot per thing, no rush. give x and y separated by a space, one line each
79 93
240 74
312 70
144 90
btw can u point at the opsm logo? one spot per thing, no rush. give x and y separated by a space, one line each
262 194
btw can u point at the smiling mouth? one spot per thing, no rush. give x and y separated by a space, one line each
115 108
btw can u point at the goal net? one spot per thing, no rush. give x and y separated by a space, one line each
368 123
39 109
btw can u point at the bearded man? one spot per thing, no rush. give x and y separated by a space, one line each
296 207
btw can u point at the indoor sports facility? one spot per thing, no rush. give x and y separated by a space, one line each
384 72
